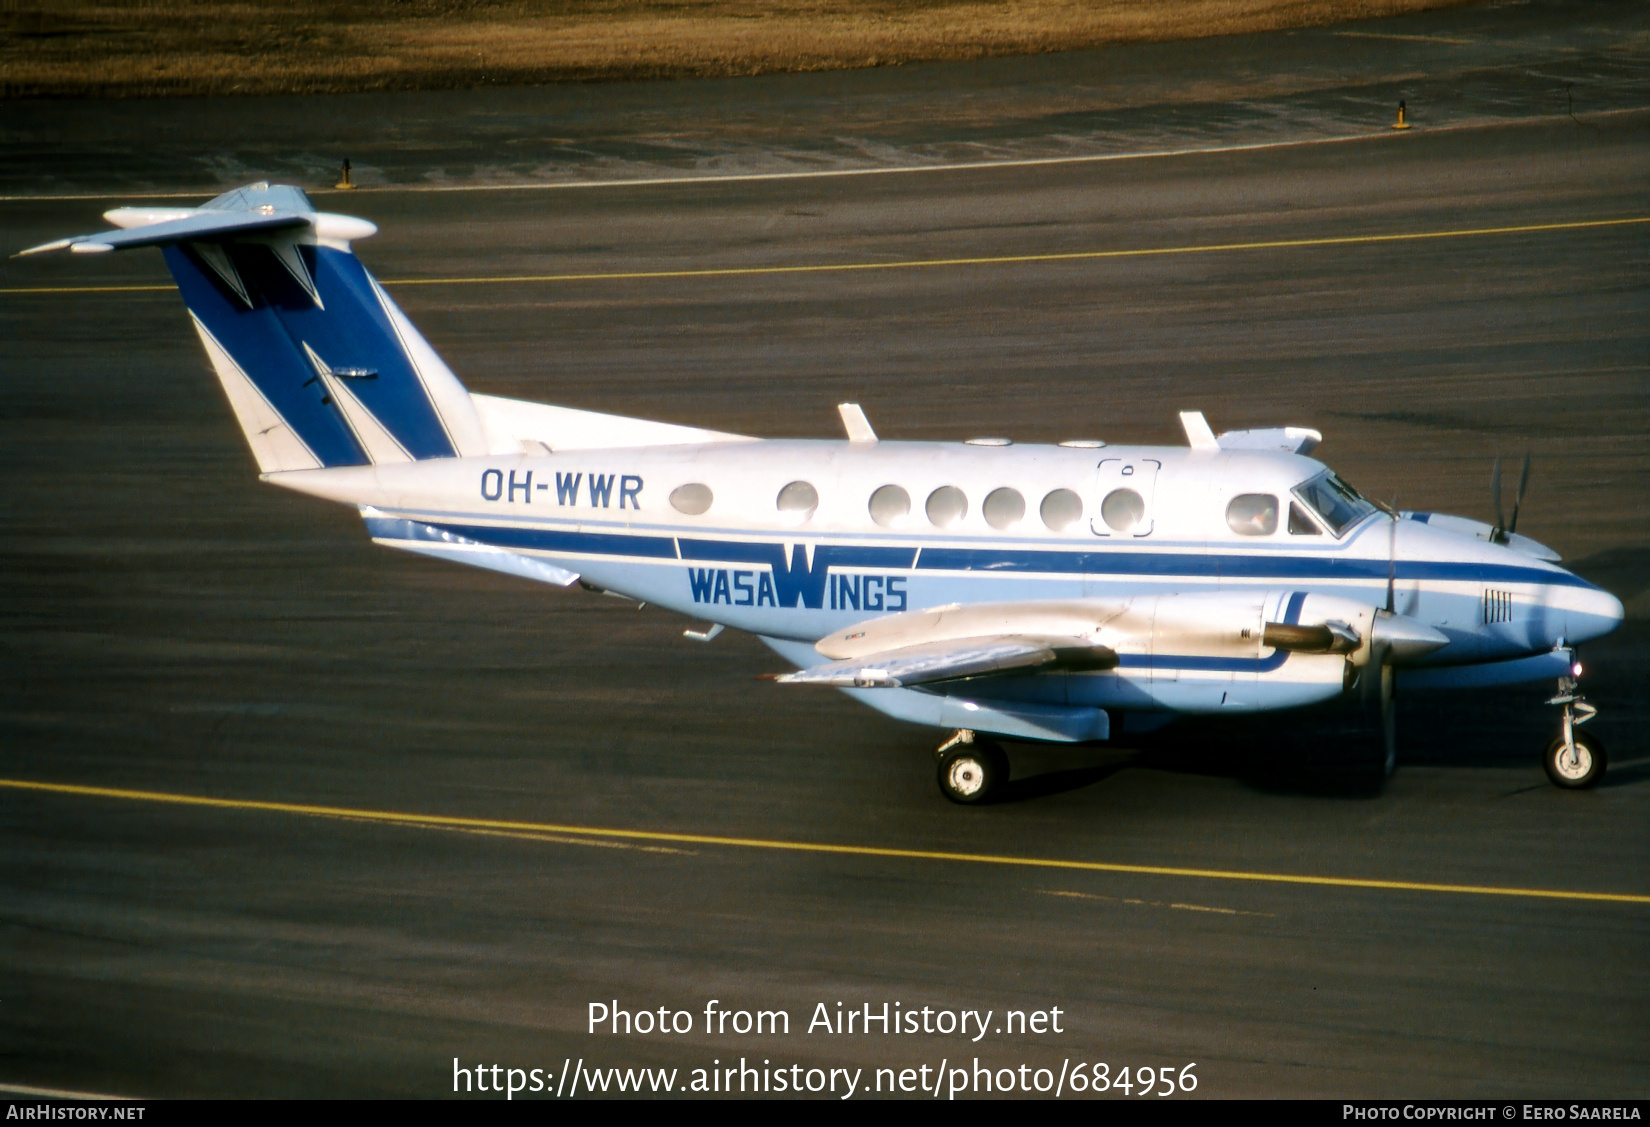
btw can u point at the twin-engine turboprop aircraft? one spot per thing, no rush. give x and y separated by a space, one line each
1072 593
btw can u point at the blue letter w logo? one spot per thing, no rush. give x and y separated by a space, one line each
793 580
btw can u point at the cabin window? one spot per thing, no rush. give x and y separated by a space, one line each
947 506
1061 509
1004 508
692 499
799 499
1300 524
1253 514
1334 500
1122 509
889 504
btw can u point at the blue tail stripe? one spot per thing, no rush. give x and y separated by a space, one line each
353 332
350 330
264 351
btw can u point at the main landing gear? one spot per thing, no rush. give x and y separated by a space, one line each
1574 760
971 770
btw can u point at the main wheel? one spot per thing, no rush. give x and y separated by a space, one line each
1573 770
973 773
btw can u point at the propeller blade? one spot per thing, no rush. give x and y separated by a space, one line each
1377 684
1389 718
1392 560
1495 499
1518 500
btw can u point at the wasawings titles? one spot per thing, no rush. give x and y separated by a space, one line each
877 1018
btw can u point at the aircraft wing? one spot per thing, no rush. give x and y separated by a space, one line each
950 660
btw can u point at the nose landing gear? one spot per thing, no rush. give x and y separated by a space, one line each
1575 759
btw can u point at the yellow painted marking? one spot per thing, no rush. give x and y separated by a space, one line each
1404 38
86 289
554 839
394 818
929 263
742 177
61 1094
1144 903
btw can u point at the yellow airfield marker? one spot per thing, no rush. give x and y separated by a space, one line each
444 822
930 263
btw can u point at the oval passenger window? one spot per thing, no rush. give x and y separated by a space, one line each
1123 509
1253 514
691 499
947 506
799 498
889 504
1004 508
1061 509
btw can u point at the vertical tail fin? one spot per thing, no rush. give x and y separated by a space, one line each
319 365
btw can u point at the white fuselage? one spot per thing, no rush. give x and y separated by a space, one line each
607 515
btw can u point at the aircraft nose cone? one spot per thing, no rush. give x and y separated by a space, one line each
1592 613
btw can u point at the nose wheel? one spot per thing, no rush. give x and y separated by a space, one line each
1576 764
971 770
1574 760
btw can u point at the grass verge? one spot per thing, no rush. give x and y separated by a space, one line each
150 48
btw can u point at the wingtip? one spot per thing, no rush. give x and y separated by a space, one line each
58 244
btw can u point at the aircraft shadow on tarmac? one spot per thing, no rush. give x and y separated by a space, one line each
1334 752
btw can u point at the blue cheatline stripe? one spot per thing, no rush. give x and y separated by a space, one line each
560 540
1291 617
1133 563
1227 566
351 331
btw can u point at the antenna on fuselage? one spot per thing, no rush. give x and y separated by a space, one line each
1199 434
855 423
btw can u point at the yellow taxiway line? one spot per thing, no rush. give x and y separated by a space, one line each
931 263
428 820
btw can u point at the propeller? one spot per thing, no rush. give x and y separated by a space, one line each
1392 557
1504 528
1379 679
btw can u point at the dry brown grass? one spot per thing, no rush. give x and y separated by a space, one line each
125 48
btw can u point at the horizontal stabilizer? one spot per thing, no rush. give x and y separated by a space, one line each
203 225
951 660
427 540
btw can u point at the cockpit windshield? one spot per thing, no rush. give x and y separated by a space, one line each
1335 502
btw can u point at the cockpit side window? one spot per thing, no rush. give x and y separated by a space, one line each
1300 524
1334 500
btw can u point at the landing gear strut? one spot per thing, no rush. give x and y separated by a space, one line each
1574 760
971 770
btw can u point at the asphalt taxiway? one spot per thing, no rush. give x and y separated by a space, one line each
175 630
